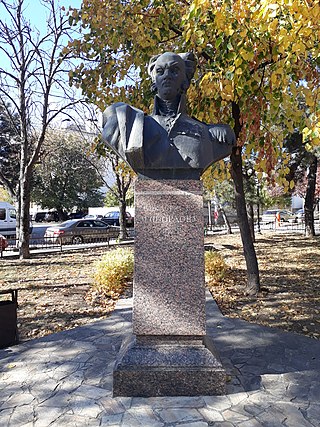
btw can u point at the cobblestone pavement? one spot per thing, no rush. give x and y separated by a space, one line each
65 379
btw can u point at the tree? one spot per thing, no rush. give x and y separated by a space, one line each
310 199
32 79
124 176
9 149
66 178
302 159
252 55
112 199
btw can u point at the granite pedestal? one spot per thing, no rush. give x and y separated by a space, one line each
169 354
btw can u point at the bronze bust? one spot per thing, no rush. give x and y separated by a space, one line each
169 143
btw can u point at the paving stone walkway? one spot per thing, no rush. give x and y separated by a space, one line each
65 379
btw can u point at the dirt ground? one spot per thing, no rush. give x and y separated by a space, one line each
55 292
290 282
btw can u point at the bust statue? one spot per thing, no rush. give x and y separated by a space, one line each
168 143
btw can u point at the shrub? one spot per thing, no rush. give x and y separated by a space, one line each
215 266
114 271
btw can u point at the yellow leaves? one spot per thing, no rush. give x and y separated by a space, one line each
247 55
229 30
277 77
310 98
215 266
274 79
291 184
202 3
272 27
243 33
311 136
227 89
284 39
238 61
220 20
298 48
157 33
209 86
263 164
114 270
188 34
207 77
267 10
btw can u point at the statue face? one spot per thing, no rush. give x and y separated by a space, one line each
169 76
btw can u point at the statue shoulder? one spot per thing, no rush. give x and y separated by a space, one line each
116 108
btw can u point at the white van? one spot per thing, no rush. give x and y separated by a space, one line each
7 220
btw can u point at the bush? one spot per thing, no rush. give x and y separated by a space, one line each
215 266
114 271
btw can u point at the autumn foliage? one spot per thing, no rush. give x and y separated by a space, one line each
114 271
262 55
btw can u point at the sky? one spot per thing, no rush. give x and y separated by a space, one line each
36 12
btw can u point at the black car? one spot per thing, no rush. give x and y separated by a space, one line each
76 215
46 216
112 218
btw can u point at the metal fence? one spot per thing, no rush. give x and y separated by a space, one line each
58 243
284 227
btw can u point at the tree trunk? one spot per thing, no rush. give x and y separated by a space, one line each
209 215
122 220
309 199
258 209
253 284
24 219
251 221
23 234
225 219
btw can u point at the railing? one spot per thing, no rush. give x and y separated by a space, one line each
268 226
58 243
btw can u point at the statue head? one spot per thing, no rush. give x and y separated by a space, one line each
171 74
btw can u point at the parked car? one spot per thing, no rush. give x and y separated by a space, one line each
45 216
3 242
93 216
8 221
112 218
77 231
76 215
51 216
270 216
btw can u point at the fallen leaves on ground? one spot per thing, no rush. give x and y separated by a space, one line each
289 298
55 291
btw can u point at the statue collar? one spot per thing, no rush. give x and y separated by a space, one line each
161 108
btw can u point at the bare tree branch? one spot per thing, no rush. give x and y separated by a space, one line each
35 67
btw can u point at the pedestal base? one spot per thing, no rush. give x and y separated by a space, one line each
168 366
